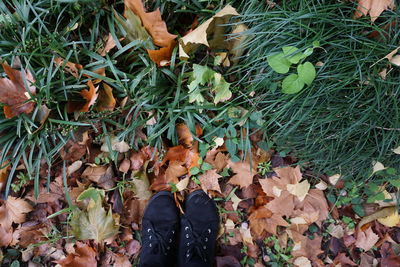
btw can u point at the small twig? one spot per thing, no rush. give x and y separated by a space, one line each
382 128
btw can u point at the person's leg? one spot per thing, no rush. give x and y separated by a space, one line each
199 231
160 226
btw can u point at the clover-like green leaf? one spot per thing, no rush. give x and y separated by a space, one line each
292 84
279 63
306 72
292 55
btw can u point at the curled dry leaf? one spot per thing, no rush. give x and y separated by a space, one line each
83 256
102 175
373 7
90 96
116 145
211 29
153 23
14 94
162 56
70 67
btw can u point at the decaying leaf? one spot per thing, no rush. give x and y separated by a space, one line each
153 23
396 150
305 247
132 26
373 7
90 96
243 173
210 33
94 222
209 181
13 210
106 100
299 190
83 256
263 220
388 216
366 239
102 175
116 145
141 183
70 67
15 94
110 44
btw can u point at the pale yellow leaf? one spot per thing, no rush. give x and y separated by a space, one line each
321 186
182 185
334 178
377 166
300 190
302 262
392 220
396 150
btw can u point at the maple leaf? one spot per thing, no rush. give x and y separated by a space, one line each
263 219
342 260
217 159
106 100
14 94
209 181
102 175
243 173
373 7
13 210
366 239
305 247
315 200
94 222
83 256
152 22
162 56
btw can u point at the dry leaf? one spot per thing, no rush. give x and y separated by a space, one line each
162 56
174 171
70 67
83 256
106 100
209 181
141 184
116 145
90 96
334 179
110 44
202 33
321 185
305 247
14 94
102 175
4 174
236 46
342 260
13 210
373 7
377 166
182 185
263 220
388 215
366 239
6 236
235 201
299 190
153 23
302 262
396 150
243 173
392 220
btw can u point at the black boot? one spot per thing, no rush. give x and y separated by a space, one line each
160 227
199 231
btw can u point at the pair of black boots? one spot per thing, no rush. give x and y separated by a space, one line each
170 240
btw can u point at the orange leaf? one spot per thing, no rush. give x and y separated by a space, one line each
209 181
163 55
84 256
243 173
262 220
110 44
70 67
14 94
152 22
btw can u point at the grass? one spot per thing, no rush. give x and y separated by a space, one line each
349 115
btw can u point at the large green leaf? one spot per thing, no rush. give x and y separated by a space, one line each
221 89
306 72
279 63
292 55
292 84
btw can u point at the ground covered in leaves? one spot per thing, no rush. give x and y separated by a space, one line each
128 98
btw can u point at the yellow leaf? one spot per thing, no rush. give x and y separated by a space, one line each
334 179
396 150
377 166
300 190
194 39
391 220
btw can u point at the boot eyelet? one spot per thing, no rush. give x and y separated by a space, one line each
206 239
188 244
150 245
209 230
150 237
186 228
204 247
168 248
173 232
148 230
170 240
187 255
187 235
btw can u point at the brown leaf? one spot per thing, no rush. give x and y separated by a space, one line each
13 210
174 171
4 174
90 96
263 220
124 166
209 181
366 239
152 22
227 261
373 7
106 100
184 134
14 94
217 159
102 175
110 44
70 67
315 199
133 211
132 247
342 260
84 256
162 56
6 236
121 261
243 173
303 246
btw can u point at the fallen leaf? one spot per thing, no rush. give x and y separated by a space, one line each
124 166
212 30
132 26
141 185
321 185
184 134
367 260
84 256
388 216
162 56
243 173
6 236
4 174
102 175
13 210
14 94
153 23
299 190
70 67
315 199
94 222
392 220
334 179
174 171
377 166
236 43
110 44
217 159
182 184
305 247
90 96
396 150
209 181
74 167
106 100
263 220
373 7
246 235
235 201
342 260
366 239
121 261
116 145
302 262
336 231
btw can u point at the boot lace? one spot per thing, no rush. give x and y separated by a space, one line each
158 242
196 243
